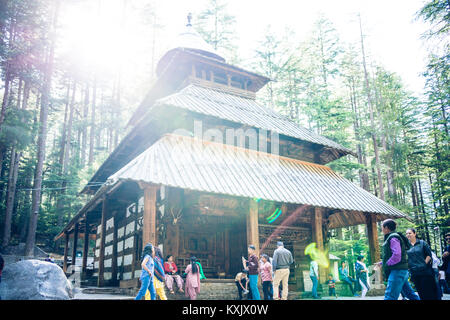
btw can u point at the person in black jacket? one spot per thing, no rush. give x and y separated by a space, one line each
446 259
2 263
420 267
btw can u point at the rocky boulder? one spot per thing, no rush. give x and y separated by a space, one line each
34 280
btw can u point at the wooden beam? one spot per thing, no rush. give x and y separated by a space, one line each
75 245
176 247
317 227
252 225
135 244
149 218
227 250
101 258
318 237
85 247
114 250
66 251
372 235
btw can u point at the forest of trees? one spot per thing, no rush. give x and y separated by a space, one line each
61 117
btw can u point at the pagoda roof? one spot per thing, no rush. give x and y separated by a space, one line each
205 166
191 39
195 164
224 105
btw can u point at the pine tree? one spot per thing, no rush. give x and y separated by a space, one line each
216 26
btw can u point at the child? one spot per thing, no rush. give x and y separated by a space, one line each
241 281
266 277
331 286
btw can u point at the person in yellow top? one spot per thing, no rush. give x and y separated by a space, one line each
158 280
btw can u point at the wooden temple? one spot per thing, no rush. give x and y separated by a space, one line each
205 170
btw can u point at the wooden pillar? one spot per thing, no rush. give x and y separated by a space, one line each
114 252
149 218
75 245
253 225
66 251
326 249
176 247
85 247
372 235
317 224
227 250
317 227
101 257
135 251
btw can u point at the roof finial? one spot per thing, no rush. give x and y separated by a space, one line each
189 17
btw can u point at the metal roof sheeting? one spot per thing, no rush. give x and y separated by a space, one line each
190 163
238 109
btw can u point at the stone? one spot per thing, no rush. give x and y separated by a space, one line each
34 280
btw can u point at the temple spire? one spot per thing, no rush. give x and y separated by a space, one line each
189 18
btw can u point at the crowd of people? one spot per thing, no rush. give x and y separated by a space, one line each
273 272
405 258
408 257
157 273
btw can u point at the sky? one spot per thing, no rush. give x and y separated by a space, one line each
392 34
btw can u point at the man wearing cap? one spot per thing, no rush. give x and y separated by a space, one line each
282 259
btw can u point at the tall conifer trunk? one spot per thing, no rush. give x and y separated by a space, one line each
372 120
42 137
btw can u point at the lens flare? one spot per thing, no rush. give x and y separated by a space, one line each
286 222
317 255
274 216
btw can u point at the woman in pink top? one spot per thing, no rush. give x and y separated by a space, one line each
266 277
192 285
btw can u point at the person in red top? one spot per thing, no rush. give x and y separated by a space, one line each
171 270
